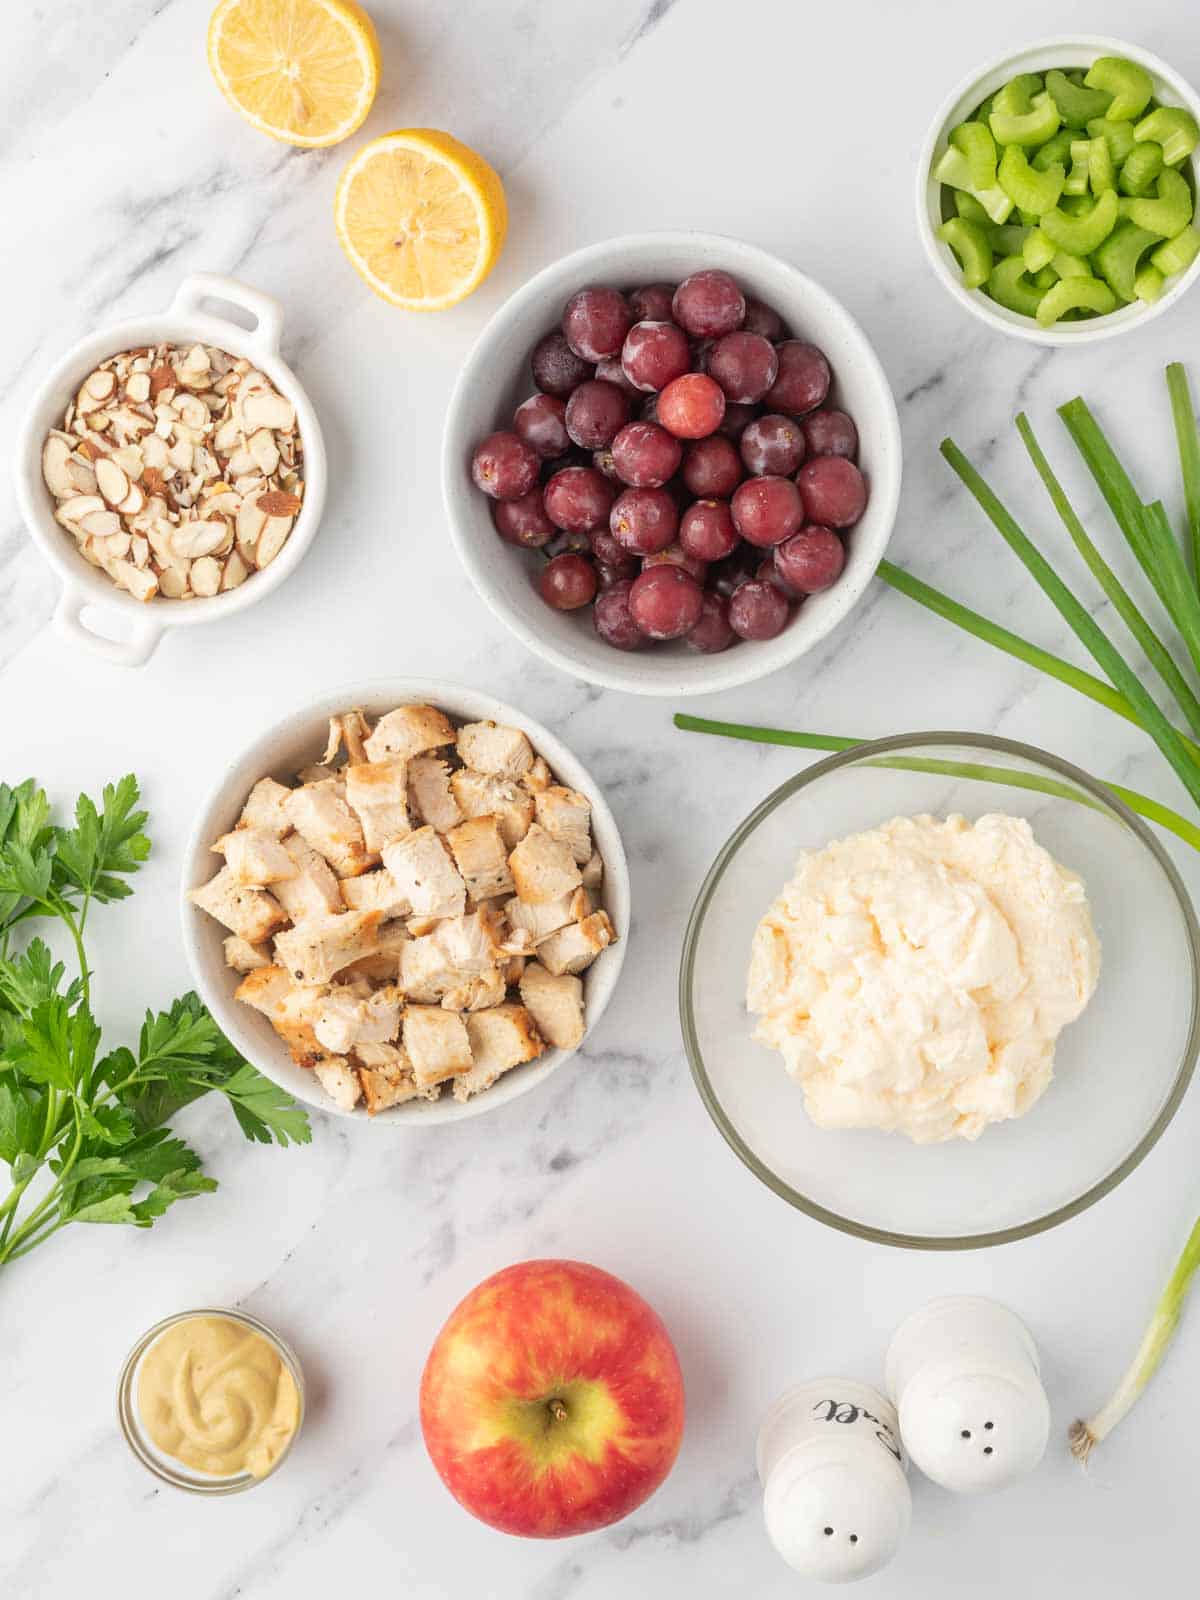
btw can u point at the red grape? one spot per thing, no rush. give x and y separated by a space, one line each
653 303
834 491
811 559
623 571
595 322
712 468
757 610
830 433
709 304
692 406
735 421
803 380
772 445
610 370
763 319
712 632
645 456
568 582
605 548
666 602
654 353
539 421
556 368
603 462
706 530
612 618
745 365
766 510
644 520
504 466
596 413
676 556
768 572
578 499
524 521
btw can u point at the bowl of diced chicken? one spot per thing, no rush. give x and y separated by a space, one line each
407 903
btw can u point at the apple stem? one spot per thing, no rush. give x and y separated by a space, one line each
558 1410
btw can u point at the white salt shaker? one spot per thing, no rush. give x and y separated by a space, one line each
835 1495
963 1372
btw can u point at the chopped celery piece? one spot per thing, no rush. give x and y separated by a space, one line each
1120 254
1079 236
1129 85
1032 191
1174 129
1177 254
1149 284
1009 287
1075 104
1071 266
1032 127
1037 251
1077 177
1056 149
975 141
1120 136
967 206
1140 168
1075 294
954 171
1017 94
1102 175
970 244
1077 205
1167 215
1007 239
1045 279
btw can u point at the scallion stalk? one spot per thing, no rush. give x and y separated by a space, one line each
1187 436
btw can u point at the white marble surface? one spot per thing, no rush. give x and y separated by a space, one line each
791 125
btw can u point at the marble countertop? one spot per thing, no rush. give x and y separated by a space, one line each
795 127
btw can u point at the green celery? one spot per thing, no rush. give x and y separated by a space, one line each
970 244
1056 149
1177 254
1187 436
1120 136
1102 175
1077 178
1071 266
1174 129
1037 251
1076 105
1029 128
1119 256
1016 96
1009 286
1075 294
1149 284
1032 191
1077 205
969 208
1079 236
975 141
1170 212
1129 85
1140 168
952 169
1007 238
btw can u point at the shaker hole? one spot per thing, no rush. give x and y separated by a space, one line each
853 1538
987 1449
989 1426
966 1433
829 1533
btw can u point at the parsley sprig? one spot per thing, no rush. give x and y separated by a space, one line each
84 1134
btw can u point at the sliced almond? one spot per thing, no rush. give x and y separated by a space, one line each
195 539
112 546
193 411
83 479
100 385
266 409
111 481
206 576
236 572
250 523
154 451
100 524
173 580
133 503
56 455
141 583
278 503
80 506
92 449
227 435
161 377
137 387
180 455
271 540
139 549
264 451
130 460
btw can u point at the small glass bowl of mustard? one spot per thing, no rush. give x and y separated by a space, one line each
211 1401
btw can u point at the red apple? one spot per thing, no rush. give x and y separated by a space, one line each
552 1400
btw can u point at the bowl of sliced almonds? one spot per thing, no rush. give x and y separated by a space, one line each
171 469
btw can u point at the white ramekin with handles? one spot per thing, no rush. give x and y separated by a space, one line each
496 377
1064 51
191 318
296 742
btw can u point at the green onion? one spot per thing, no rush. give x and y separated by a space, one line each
1188 439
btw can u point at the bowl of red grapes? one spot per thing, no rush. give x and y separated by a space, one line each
672 463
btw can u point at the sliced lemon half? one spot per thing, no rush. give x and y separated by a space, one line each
304 71
422 218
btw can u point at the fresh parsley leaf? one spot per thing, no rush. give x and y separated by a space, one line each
172 1186
114 1207
107 1124
104 844
264 1111
184 1037
33 977
154 1156
18 1123
58 1046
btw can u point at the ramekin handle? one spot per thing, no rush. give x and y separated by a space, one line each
134 651
267 312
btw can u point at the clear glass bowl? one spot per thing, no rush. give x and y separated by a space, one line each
157 1461
1121 1069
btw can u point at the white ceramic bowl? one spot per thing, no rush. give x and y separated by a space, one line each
297 741
1067 50
496 378
191 318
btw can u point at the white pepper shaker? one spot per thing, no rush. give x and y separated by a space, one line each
963 1372
835 1495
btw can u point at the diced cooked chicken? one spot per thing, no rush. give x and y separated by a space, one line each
377 792
376 891
491 747
481 858
255 856
266 808
289 1007
424 871
252 914
347 1018
543 869
386 1075
320 815
351 729
501 1037
383 964
513 968
458 950
476 994
555 1002
541 921
567 815
574 948
264 988
538 777
314 890
480 795
243 956
314 950
593 872
409 731
339 1081
437 1044
430 797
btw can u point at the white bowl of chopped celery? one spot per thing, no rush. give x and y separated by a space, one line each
1048 220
